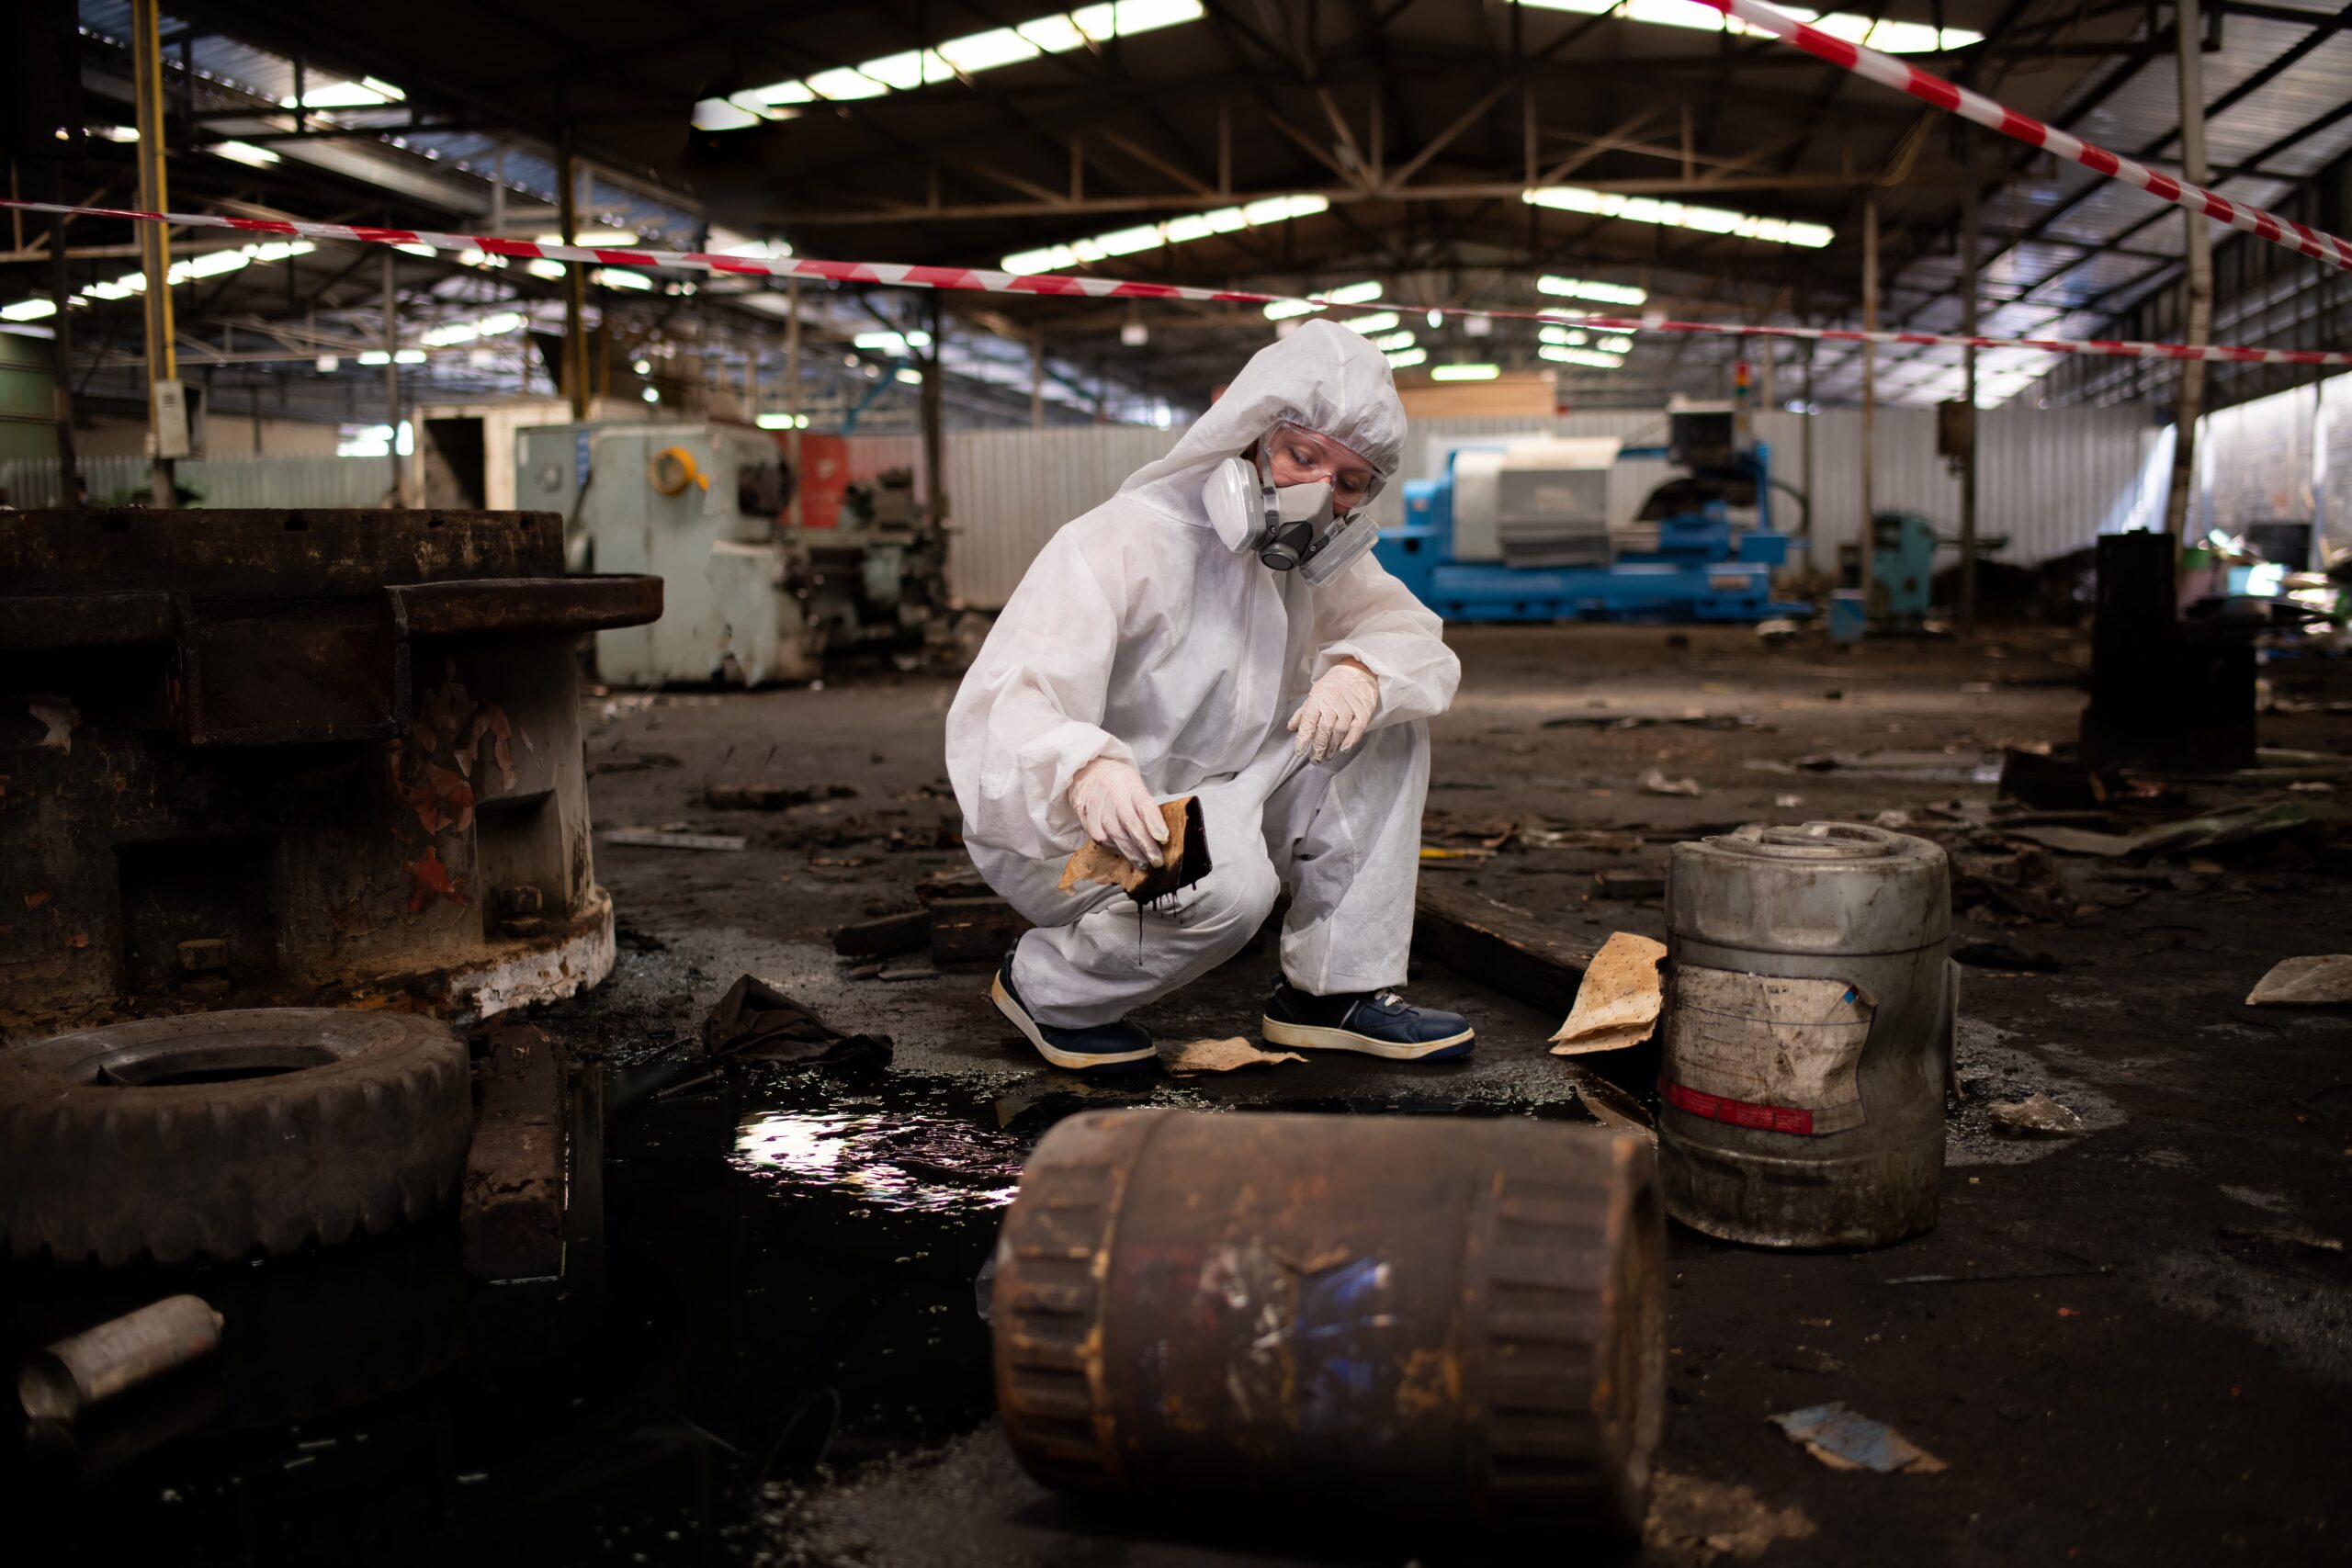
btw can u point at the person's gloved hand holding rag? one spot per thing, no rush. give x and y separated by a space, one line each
1337 709
1115 807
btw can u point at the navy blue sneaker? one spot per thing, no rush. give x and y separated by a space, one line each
1101 1048
1377 1023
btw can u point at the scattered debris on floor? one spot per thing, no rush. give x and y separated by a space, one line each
1696 1522
2286 1235
1221 1056
1655 781
1689 718
2036 1116
1843 1439
756 1023
771 797
671 839
1618 1004
2322 980
1625 881
2001 956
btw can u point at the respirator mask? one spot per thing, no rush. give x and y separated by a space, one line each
1281 507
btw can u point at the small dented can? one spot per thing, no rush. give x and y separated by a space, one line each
1808 1027
61 1381
1439 1319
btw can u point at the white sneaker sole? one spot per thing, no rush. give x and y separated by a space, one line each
1074 1060
1310 1037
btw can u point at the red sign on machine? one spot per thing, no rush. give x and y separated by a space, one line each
1739 1112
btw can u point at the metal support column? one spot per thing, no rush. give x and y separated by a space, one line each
154 244
61 289
1811 474
575 282
1968 301
934 476
2200 277
391 345
791 391
1036 380
1869 545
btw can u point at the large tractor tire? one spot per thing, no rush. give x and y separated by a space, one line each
217 1134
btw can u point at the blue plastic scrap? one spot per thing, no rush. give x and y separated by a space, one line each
1843 1439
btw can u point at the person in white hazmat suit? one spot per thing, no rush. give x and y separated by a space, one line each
1217 628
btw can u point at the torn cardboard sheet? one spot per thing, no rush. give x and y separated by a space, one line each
2323 980
1183 861
1843 1439
1223 1056
1618 1004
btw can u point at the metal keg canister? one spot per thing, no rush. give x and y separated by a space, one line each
1810 1011
1412 1318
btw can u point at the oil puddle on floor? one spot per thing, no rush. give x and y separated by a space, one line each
787 1275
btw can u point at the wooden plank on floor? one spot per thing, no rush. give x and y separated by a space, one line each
1505 951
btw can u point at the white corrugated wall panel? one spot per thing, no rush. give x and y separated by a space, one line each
219 481
2051 479
1009 490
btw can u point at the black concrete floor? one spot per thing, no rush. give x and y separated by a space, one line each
786 1363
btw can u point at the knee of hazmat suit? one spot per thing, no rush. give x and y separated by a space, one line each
1142 632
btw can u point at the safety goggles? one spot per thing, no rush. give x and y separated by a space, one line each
1295 455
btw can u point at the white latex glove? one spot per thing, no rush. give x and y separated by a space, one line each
1337 710
1115 807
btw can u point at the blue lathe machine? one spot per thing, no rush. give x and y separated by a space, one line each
1520 530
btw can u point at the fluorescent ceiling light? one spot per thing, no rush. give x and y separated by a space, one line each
1566 337
1579 357
542 267
1466 372
27 311
115 132
717 113
1393 342
726 243
418 250
456 332
1588 289
1615 345
1370 323
892 343
483 259
1175 231
1889 38
619 277
1679 215
1347 294
953 60
783 421
366 93
603 239
1408 358
244 152
912 377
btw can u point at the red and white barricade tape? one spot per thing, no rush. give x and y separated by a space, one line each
899 275
1889 71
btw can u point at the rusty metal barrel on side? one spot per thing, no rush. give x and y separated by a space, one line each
1437 1318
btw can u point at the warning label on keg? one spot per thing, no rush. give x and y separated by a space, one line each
1757 1051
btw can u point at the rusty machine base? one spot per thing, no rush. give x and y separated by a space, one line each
311 757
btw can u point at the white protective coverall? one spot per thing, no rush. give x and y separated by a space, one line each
1142 634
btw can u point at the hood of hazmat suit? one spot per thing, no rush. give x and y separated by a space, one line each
1138 633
